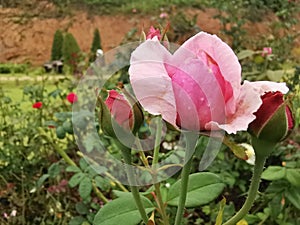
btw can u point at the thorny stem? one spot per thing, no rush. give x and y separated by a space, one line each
258 168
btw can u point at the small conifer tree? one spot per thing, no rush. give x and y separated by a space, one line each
71 51
96 44
57 45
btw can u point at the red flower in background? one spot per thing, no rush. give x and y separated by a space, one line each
37 105
72 97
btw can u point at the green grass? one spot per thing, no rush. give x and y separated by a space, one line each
127 7
14 88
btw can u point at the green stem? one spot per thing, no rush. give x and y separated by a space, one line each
184 180
258 168
99 194
154 176
157 143
131 178
160 203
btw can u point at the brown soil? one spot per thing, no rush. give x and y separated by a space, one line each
29 38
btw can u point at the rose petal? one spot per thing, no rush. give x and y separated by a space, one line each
150 81
199 98
262 87
248 103
221 53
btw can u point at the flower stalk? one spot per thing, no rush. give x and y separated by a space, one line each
131 178
258 169
190 146
160 203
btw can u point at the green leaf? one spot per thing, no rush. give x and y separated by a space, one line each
50 123
293 176
60 132
81 208
121 211
275 206
293 195
62 116
76 179
85 187
54 170
83 163
245 54
121 194
219 219
274 173
42 179
74 169
94 170
78 220
202 188
275 75
102 183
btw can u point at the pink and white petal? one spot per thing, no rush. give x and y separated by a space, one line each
262 87
221 53
150 81
248 103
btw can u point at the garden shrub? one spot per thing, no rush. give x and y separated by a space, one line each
57 46
71 52
96 44
7 68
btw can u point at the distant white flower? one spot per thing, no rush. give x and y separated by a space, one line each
13 213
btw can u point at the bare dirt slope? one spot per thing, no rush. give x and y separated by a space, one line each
27 36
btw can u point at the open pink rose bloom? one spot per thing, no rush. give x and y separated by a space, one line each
198 87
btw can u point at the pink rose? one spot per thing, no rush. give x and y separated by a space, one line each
152 33
198 87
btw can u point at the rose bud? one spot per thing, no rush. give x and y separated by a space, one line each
119 111
153 33
274 119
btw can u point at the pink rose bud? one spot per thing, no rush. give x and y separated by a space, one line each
274 120
266 51
119 108
153 33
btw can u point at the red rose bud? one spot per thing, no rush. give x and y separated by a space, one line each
72 97
120 109
37 105
274 120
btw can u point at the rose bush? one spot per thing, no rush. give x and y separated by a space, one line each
198 87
